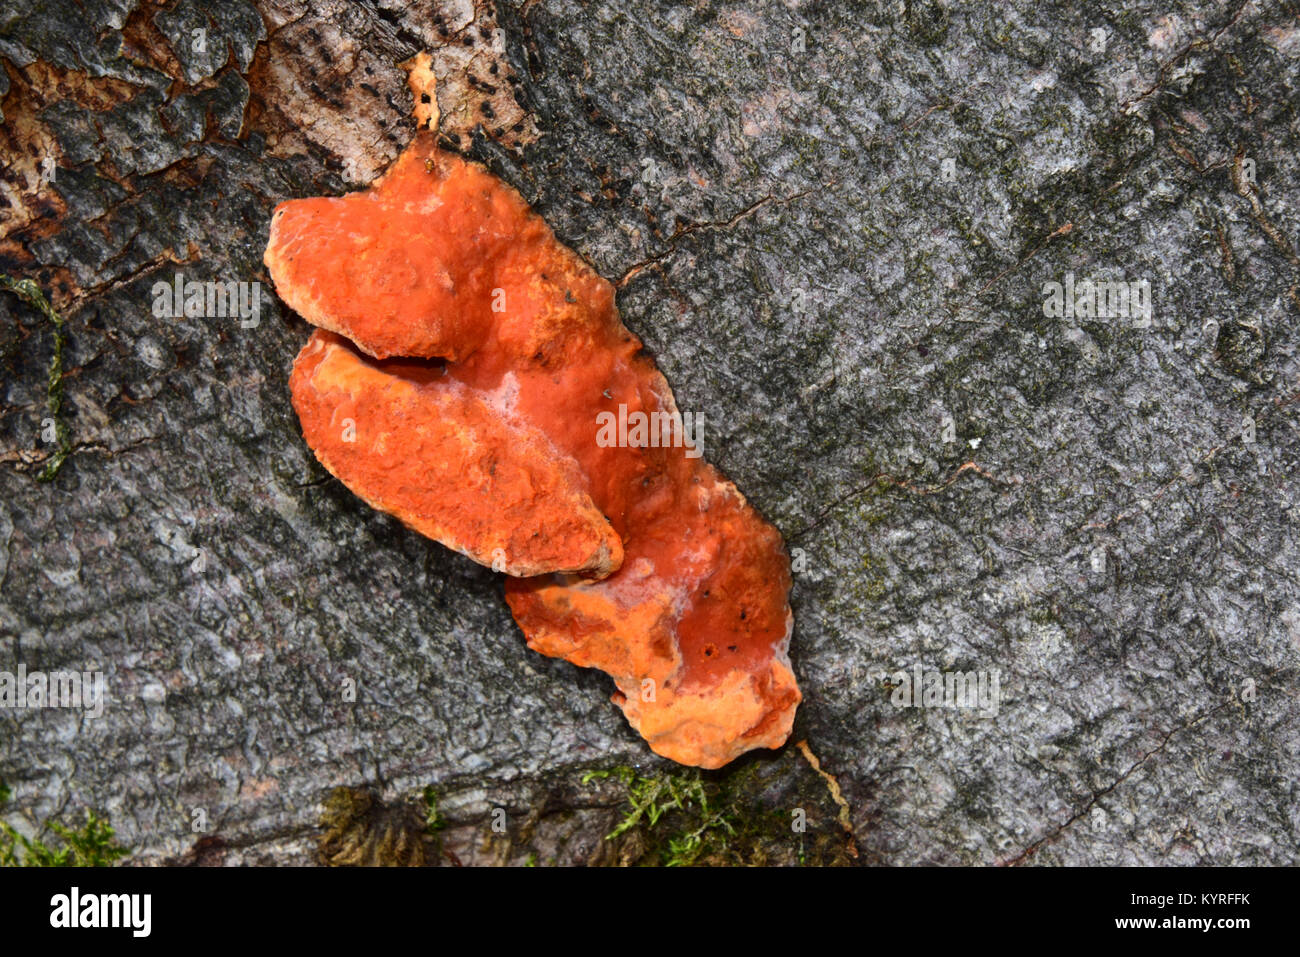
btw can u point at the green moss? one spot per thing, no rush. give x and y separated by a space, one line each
434 822
722 818
700 825
91 845
30 293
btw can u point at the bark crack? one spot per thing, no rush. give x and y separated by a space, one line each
1057 831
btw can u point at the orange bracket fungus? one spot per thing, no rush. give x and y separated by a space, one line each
471 376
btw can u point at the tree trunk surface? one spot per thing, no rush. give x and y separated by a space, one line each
836 227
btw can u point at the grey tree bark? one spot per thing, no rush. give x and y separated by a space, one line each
835 225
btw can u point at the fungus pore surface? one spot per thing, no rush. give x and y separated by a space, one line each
457 380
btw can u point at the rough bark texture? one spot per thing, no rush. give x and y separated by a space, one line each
832 224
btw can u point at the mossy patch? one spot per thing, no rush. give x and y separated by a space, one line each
93 844
761 812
